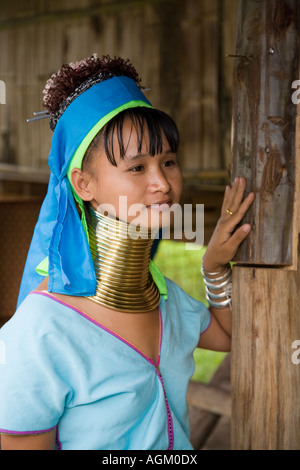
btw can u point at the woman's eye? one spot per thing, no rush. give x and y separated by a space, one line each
169 163
137 168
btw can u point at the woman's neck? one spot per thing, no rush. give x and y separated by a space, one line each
121 256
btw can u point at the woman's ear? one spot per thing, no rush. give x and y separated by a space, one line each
80 182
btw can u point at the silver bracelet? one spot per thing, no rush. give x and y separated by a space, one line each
204 272
217 285
212 296
223 281
223 304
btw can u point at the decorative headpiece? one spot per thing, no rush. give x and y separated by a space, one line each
54 117
75 78
60 246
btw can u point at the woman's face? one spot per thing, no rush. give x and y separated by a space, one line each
141 189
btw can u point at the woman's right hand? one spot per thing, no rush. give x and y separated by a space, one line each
226 239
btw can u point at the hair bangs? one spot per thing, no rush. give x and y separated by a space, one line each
148 123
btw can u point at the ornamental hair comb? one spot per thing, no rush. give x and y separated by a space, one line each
39 115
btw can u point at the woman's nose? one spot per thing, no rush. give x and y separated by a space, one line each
159 182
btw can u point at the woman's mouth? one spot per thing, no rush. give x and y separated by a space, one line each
160 206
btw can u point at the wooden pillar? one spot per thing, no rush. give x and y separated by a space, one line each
265 377
266 280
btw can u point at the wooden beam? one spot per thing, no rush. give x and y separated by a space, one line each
202 422
20 173
265 380
209 398
266 299
267 61
206 175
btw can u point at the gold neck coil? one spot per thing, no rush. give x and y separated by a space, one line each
121 261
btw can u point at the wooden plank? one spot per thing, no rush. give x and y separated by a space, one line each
21 173
202 422
296 209
209 398
198 119
264 125
218 174
219 439
265 380
227 46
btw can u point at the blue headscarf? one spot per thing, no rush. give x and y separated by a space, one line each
59 245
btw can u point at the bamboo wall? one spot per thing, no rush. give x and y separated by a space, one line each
179 48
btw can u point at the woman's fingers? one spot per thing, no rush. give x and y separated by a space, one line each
234 196
230 195
234 207
226 237
237 238
240 211
225 199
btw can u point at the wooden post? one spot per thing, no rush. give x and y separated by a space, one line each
265 376
266 295
264 125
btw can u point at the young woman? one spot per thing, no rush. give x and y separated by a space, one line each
100 350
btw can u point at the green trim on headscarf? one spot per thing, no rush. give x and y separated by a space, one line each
42 268
159 279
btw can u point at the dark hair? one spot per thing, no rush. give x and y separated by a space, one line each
71 76
145 120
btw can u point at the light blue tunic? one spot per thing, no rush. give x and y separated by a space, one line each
62 370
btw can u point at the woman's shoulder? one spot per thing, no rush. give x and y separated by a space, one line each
179 294
187 313
180 300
